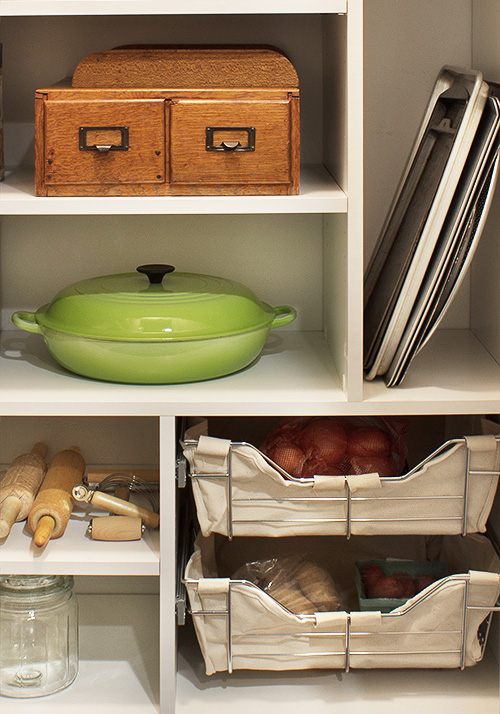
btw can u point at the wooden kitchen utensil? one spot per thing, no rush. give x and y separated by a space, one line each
116 528
52 507
116 505
20 485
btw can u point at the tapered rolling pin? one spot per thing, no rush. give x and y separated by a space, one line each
20 485
52 507
116 505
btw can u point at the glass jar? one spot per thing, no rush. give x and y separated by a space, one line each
38 634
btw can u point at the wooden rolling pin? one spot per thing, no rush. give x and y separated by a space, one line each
19 487
115 505
52 507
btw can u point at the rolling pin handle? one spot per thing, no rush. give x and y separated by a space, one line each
40 449
44 530
9 510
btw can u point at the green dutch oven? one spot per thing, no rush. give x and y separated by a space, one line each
155 326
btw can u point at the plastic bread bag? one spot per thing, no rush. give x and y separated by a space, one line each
311 446
296 582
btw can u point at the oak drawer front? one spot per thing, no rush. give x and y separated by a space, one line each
203 136
104 142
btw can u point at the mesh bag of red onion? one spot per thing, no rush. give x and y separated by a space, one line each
313 446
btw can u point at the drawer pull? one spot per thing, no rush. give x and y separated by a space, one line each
103 148
227 144
230 145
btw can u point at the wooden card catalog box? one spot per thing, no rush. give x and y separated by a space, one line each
163 120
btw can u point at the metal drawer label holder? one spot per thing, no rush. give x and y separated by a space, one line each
229 145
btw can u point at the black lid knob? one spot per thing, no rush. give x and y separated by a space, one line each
155 271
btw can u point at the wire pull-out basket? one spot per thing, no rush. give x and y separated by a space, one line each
240 626
239 492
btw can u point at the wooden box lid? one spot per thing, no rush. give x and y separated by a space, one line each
197 67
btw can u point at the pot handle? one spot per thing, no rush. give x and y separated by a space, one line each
26 321
283 315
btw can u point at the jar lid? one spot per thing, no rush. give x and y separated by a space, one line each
155 304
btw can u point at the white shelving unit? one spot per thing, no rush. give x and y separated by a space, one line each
157 7
319 194
366 70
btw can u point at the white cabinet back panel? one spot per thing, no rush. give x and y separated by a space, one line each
51 47
278 257
397 67
400 73
103 441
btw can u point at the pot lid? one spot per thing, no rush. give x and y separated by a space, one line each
155 304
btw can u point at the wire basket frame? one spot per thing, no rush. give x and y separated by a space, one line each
349 498
347 636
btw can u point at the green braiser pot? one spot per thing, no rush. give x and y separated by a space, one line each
155 326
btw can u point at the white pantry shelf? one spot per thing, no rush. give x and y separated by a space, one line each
319 193
294 375
118 661
75 553
17 8
454 368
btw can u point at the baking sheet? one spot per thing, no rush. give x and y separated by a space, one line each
456 245
418 212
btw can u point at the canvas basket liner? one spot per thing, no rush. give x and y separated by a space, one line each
244 628
451 492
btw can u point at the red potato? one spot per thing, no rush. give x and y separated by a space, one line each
423 581
368 441
369 576
387 586
407 584
398 585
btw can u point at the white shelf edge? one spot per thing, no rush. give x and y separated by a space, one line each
319 193
74 553
16 8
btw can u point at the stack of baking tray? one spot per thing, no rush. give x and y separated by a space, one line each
434 223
